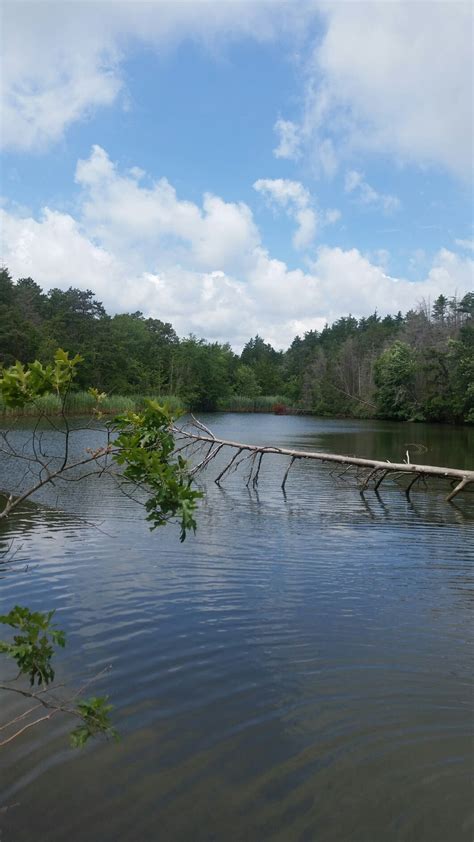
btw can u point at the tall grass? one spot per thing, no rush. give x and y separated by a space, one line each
240 403
81 403
47 405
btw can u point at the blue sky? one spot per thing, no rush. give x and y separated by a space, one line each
240 167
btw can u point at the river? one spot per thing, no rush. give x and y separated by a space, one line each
298 671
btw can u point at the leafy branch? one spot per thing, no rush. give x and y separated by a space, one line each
141 446
32 649
145 446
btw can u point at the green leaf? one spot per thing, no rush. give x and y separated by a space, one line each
33 648
95 715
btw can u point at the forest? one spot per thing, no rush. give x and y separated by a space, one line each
417 366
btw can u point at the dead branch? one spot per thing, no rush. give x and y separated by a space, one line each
463 477
227 467
380 479
464 482
210 455
12 502
287 472
202 426
411 484
259 464
252 463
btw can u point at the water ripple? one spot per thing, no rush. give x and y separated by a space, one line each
299 670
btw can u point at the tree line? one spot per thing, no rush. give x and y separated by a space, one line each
417 366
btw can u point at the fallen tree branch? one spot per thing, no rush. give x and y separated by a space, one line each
462 477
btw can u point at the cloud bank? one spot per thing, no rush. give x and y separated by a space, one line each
203 267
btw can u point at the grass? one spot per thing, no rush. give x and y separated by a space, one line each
81 403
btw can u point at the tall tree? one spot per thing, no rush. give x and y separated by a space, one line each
395 380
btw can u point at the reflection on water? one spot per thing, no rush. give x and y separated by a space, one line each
300 670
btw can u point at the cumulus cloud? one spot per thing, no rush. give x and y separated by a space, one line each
393 78
203 266
299 205
366 195
55 70
297 201
124 214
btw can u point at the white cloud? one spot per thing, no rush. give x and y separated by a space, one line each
297 201
327 157
394 78
55 70
450 272
203 267
353 180
284 191
289 140
363 286
123 214
382 258
53 246
299 205
465 244
366 195
62 60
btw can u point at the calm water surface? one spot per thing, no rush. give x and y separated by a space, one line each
299 671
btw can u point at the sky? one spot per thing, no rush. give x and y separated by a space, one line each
234 168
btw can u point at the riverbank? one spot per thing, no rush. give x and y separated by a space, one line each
82 403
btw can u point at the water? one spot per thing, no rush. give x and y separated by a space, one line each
298 671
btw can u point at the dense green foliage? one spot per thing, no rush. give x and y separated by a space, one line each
414 366
22 384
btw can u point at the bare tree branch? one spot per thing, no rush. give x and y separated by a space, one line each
370 467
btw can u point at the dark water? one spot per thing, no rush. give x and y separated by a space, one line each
299 670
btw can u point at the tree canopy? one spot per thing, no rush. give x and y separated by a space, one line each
345 369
